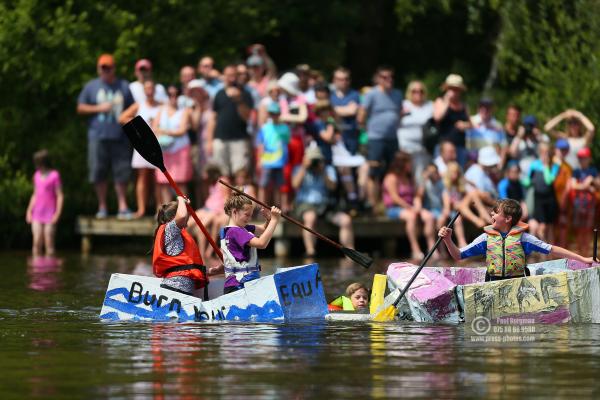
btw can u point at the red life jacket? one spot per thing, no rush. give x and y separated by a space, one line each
188 263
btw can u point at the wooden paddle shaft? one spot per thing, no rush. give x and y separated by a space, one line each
292 220
194 216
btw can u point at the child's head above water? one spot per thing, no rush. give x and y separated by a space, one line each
358 294
506 214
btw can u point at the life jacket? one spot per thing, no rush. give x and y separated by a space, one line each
233 266
505 256
341 303
188 263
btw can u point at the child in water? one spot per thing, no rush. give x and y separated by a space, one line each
506 244
45 205
176 257
239 241
356 299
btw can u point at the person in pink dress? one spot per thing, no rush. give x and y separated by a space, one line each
45 205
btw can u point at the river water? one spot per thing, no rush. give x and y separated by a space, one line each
53 345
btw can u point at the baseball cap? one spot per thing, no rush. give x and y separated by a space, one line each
106 60
254 61
530 120
486 102
584 152
488 157
143 63
562 144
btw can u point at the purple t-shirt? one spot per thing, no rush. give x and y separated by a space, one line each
237 239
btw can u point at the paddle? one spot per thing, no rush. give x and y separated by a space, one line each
360 258
389 313
595 256
144 141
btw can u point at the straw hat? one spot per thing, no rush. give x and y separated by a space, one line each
454 81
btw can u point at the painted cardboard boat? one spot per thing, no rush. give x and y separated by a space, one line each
558 291
290 294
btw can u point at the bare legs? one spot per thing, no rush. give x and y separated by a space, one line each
143 184
43 238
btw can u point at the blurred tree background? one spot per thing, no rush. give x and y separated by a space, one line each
541 54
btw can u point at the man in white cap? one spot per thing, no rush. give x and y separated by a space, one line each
143 73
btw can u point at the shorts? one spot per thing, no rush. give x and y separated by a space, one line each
106 155
271 175
350 139
231 155
584 210
545 209
179 166
394 212
381 151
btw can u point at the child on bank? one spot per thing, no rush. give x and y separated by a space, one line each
239 241
356 298
176 257
506 244
45 205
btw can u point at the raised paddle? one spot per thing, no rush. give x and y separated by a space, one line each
144 141
360 258
390 312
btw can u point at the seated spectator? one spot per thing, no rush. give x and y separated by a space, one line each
326 131
212 214
454 195
432 192
486 131
584 196
313 180
561 188
579 133
510 187
447 155
541 176
272 142
402 202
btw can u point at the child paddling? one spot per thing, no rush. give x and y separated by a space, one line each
239 241
176 257
506 244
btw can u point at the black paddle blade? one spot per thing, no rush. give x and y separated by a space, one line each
144 141
360 258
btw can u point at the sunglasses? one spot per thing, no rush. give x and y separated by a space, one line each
386 77
107 67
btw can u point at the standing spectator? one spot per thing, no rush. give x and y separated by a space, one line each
346 103
524 147
104 99
211 84
259 80
510 187
272 149
243 81
381 113
447 155
200 114
171 126
148 110
260 50
584 196
227 135
313 181
186 75
513 122
451 114
580 132
561 187
273 96
541 176
416 111
143 73
401 202
294 112
45 205
304 74
486 131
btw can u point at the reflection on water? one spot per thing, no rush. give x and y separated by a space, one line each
53 345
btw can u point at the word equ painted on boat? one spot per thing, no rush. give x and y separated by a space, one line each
290 293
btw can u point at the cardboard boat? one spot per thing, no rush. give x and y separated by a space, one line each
290 294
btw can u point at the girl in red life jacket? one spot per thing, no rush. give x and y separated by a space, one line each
176 257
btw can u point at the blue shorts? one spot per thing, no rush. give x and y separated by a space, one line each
271 175
394 212
382 151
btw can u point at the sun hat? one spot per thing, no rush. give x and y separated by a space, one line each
454 81
488 157
195 84
562 144
584 152
290 83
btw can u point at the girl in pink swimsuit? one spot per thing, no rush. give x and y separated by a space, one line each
45 205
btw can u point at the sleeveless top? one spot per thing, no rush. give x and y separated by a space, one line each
405 190
173 122
447 129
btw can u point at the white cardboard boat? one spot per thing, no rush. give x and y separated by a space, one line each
289 294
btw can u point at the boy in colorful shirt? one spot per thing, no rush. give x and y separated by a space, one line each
506 244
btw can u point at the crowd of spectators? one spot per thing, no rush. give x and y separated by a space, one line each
323 150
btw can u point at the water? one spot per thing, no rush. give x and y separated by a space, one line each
52 345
